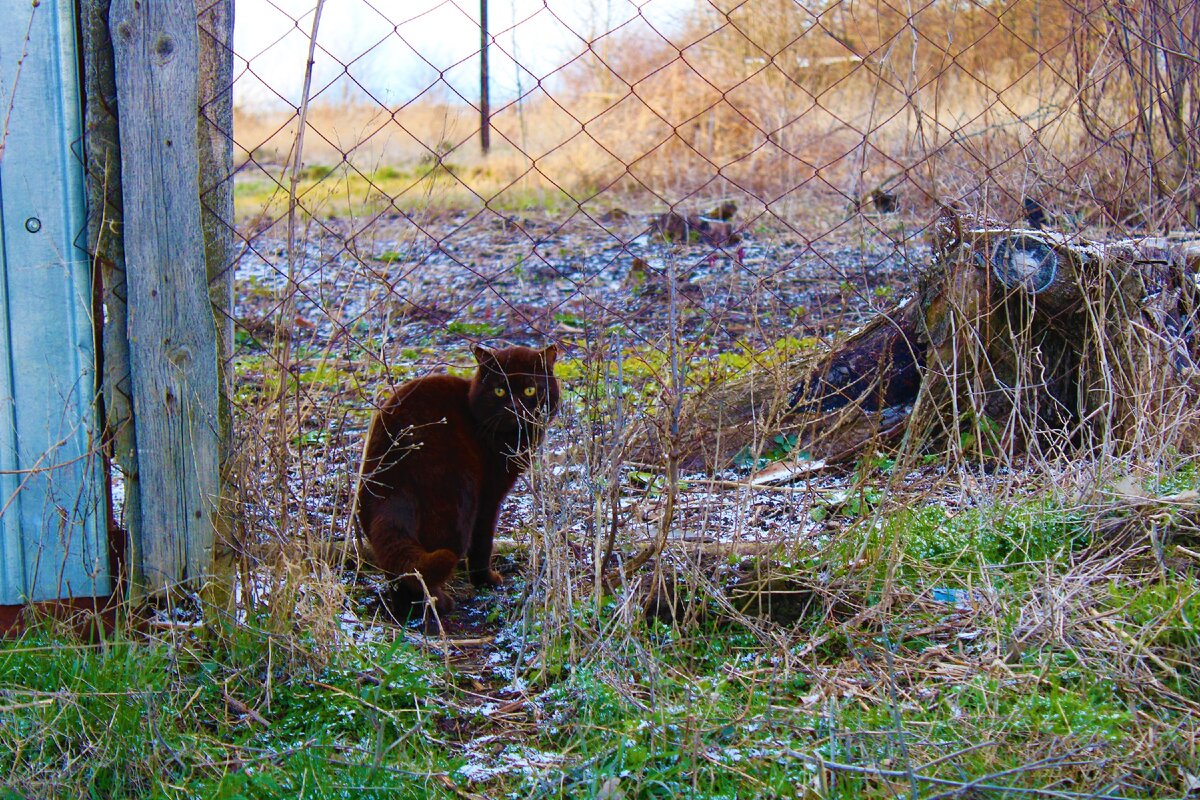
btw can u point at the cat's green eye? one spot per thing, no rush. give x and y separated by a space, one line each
530 391
499 391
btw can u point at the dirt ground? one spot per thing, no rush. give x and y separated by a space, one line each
405 296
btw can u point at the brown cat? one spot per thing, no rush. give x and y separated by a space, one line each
441 455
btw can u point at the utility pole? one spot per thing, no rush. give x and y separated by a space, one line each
485 123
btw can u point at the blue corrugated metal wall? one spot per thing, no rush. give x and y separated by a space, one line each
52 538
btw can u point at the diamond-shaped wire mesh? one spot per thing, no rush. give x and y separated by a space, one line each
877 466
819 141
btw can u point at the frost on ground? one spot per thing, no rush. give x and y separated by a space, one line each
348 313
490 756
368 311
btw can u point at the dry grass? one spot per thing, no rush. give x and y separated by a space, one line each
766 104
962 619
941 618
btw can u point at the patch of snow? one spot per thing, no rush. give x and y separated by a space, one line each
486 761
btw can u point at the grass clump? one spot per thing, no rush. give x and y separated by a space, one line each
914 703
1039 673
335 192
225 711
999 536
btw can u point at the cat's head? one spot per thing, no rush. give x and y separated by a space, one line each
514 391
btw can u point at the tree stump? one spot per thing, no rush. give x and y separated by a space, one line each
1015 339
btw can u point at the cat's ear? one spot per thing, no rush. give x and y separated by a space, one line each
549 354
485 358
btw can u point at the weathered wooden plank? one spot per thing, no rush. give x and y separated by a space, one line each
51 542
173 346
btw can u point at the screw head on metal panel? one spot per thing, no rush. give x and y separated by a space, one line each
33 224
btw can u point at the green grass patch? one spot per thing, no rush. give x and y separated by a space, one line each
470 329
1005 535
1008 542
330 192
914 698
131 717
642 372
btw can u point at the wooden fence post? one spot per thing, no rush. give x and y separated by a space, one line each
172 337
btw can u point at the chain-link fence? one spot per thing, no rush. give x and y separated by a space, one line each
697 201
874 472
671 191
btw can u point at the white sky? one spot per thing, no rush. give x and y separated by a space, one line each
395 49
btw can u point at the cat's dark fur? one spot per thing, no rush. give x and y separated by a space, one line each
441 455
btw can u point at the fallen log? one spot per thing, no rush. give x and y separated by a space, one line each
1015 338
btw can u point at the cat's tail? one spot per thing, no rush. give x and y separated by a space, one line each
434 567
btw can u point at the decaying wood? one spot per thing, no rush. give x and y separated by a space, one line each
1038 334
1015 338
106 244
172 337
214 21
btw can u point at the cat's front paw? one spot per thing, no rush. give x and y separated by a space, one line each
487 577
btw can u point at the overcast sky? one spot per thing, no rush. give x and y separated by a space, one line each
395 49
